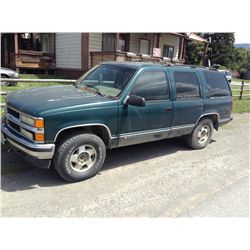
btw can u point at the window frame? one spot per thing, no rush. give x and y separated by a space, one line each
169 46
199 85
169 98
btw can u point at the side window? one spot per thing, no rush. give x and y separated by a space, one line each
187 85
217 84
152 85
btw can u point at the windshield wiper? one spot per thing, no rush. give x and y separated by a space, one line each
95 88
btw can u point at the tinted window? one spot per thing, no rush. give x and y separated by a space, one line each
187 85
152 85
217 84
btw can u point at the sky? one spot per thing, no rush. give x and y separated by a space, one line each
242 37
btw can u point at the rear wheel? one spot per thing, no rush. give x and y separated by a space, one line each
79 157
201 135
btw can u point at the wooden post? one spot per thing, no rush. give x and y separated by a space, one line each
16 42
5 49
184 48
156 41
205 54
16 48
117 37
181 48
241 90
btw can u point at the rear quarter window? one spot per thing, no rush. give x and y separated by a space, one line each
187 84
217 84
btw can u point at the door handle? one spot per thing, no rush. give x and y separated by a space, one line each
168 110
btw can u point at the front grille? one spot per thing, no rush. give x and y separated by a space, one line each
13 121
14 126
13 112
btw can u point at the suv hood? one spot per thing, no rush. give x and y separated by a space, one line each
34 101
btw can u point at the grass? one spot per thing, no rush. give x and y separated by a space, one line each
27 85
242 106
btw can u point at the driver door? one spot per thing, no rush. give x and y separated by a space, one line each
152 121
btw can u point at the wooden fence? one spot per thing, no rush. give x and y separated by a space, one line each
242 88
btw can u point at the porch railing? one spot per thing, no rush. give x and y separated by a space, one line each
119 56
33 59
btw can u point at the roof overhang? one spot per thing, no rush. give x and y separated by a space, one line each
178 34
194 37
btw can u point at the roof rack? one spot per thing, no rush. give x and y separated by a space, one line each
191 66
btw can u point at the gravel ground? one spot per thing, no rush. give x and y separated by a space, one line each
159 179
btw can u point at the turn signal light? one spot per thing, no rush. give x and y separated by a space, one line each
39 137
39 123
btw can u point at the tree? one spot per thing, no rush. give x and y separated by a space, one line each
220 51
221 48
194 53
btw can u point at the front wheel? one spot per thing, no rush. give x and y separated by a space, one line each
201 135
79 157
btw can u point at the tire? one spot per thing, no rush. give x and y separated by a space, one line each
201 136
79 157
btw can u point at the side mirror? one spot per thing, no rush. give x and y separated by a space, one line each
135 101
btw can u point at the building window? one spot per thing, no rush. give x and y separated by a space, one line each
168 51
45 42
108 42
187 85
123 42
152 85
144 46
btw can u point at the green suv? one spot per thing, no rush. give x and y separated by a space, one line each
115 105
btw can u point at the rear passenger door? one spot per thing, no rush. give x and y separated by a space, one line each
188 98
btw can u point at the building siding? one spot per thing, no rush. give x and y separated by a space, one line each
134 45
95 43
68 50
170 40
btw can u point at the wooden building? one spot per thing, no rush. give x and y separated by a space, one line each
71 54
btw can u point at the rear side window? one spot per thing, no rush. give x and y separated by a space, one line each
187 84
217 84
152 85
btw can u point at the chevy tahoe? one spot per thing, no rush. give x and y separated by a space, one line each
114 105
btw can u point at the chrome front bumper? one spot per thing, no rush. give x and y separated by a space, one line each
38 151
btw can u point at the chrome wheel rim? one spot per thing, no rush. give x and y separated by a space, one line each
203 134
83 158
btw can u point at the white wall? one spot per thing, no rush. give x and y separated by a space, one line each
68 50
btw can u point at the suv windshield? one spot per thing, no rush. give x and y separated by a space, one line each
106 80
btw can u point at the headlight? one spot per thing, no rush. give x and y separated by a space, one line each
27 120
27 134
34 122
